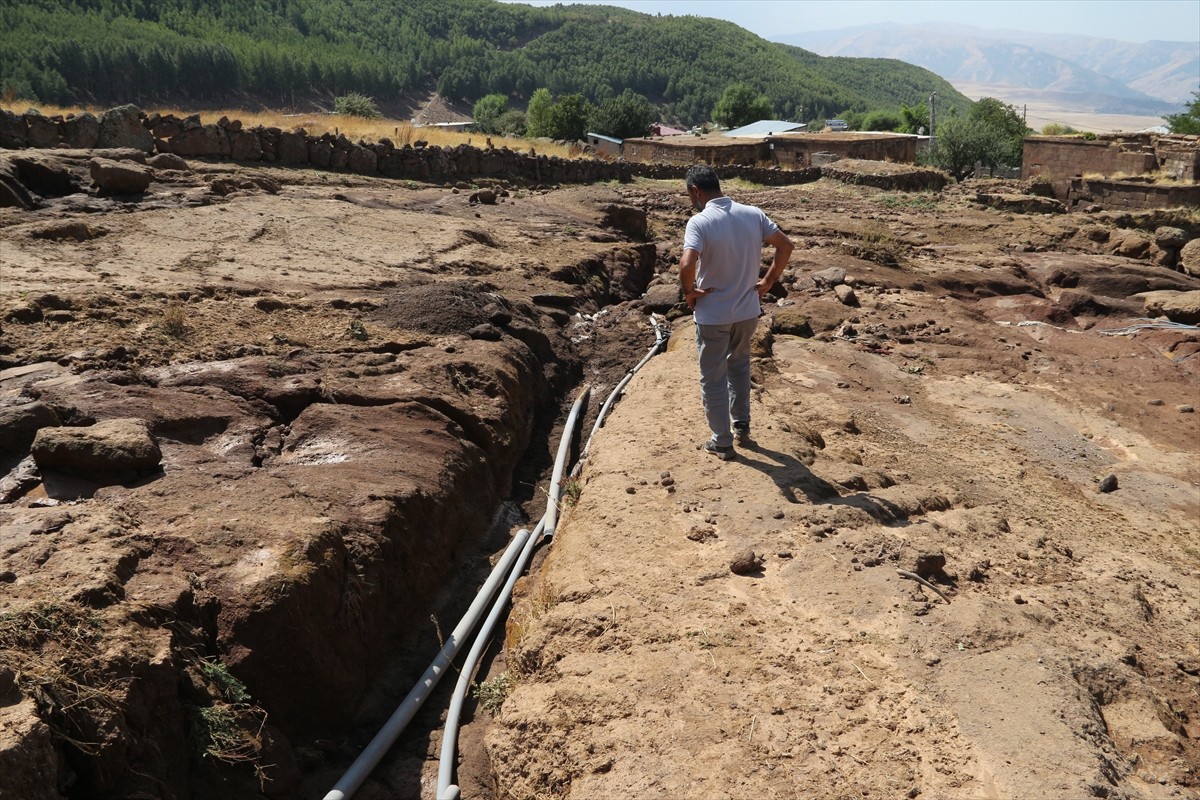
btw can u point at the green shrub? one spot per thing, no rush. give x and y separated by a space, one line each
356 105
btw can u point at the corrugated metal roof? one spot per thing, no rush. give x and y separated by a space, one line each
765 127
605 138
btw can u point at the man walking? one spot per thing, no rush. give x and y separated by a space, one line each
722 248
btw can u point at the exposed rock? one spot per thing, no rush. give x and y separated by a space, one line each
1021 203
828 278
122 127
1108 484
28 762
42 131
1182 307
291 148
19 425
746 562
792 321
57 231
1131 244
13 193
628 219
661 297
168 161
205 140
244 145
846 295
98 452
362 160
929 565
117 177
81 131
1167 236
46 175
484 196
13 129
1189 258
487 331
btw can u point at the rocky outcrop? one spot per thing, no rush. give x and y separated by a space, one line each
113 448
122 127
119 177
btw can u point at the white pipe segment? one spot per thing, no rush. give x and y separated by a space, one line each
374 752
445 790
560 462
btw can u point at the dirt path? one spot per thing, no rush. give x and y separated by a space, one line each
1062 668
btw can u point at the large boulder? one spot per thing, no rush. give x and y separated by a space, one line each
122 127
292 148
13 130
19 425
110 449
204 140
12 192
363 160
120 177
1189 258
244 145
46 174
1181 307
82 131
42 131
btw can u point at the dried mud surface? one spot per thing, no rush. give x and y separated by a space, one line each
966 403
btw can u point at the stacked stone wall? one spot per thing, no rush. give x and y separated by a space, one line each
1062 160
229 140
1129 195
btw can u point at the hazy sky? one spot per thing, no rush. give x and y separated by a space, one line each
1126 20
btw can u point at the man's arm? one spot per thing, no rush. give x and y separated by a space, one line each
783 251
687 278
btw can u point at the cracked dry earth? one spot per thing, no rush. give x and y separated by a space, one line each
921 422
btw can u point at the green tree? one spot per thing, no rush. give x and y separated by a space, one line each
511 123
487 111
537 114
960 143
569 117
1189 121
741 105
1007 131
881 121
623 117
914 119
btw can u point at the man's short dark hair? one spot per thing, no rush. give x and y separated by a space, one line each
703 177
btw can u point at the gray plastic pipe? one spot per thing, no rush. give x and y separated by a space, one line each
445 790
375 751
560 463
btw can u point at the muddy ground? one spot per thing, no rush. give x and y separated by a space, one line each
356 387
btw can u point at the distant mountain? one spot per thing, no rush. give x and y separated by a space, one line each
1102 74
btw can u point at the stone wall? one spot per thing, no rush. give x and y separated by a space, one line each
1061 159
1129 195
228 139
789 151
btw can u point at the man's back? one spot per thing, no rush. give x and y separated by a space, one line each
729 238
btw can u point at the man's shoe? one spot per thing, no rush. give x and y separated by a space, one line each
741 432
723 453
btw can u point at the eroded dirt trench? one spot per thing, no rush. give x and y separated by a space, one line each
357 386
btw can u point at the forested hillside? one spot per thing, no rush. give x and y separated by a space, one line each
289 52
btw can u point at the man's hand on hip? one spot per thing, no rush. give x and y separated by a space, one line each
694 295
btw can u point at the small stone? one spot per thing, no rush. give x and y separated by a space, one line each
1108 484
777 515
8 576
929 565
630 490
1019 600
746 562
668 481
1185 409
784 554
1154 402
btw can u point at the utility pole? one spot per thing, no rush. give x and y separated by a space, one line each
932 114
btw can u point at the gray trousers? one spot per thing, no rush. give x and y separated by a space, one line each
725 375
